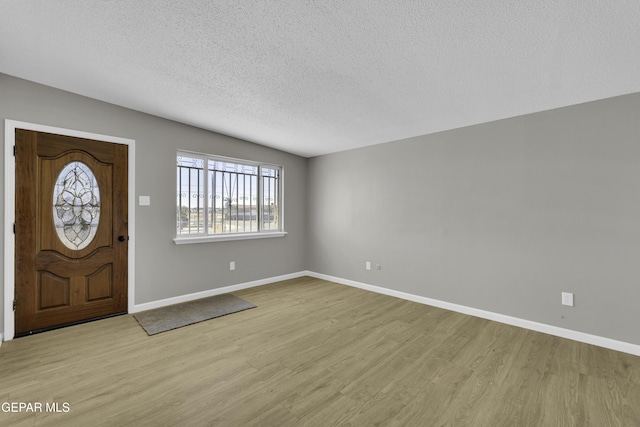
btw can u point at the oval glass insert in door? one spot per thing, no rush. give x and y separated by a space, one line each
76 205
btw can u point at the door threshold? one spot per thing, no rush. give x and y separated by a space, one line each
66 325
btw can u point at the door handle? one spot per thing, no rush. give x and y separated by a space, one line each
122 238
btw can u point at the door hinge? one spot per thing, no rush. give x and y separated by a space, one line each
14 305
14 228
14 151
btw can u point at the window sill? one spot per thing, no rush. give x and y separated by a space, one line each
227 237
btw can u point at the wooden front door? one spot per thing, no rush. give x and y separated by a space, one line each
71 230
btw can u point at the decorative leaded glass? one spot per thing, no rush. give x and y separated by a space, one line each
76 205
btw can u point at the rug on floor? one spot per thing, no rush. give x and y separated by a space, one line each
187 313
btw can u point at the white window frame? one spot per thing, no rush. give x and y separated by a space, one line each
203 237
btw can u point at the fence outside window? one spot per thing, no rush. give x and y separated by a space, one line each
224 196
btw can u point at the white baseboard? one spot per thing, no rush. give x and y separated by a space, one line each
211 292
609 343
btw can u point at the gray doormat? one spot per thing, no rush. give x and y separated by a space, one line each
187 313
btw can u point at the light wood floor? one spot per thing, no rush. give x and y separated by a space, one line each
319 354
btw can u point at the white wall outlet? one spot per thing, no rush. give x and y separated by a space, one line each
367 265
567 299
144 200
232 265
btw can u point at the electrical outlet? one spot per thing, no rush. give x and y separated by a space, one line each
367 265
232 265
567 299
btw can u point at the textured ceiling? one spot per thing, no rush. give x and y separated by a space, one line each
314 77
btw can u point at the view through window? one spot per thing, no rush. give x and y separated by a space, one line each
226 196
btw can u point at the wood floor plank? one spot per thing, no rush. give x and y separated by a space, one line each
316 353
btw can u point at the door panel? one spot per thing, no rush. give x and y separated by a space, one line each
70 265
53 291
49 171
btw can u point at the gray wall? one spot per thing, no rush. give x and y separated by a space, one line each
163 269
502 216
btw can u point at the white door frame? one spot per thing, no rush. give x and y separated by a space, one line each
10 127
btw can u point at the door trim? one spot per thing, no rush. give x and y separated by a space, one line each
10 127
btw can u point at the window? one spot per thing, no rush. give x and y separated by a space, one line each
222 199
76 205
